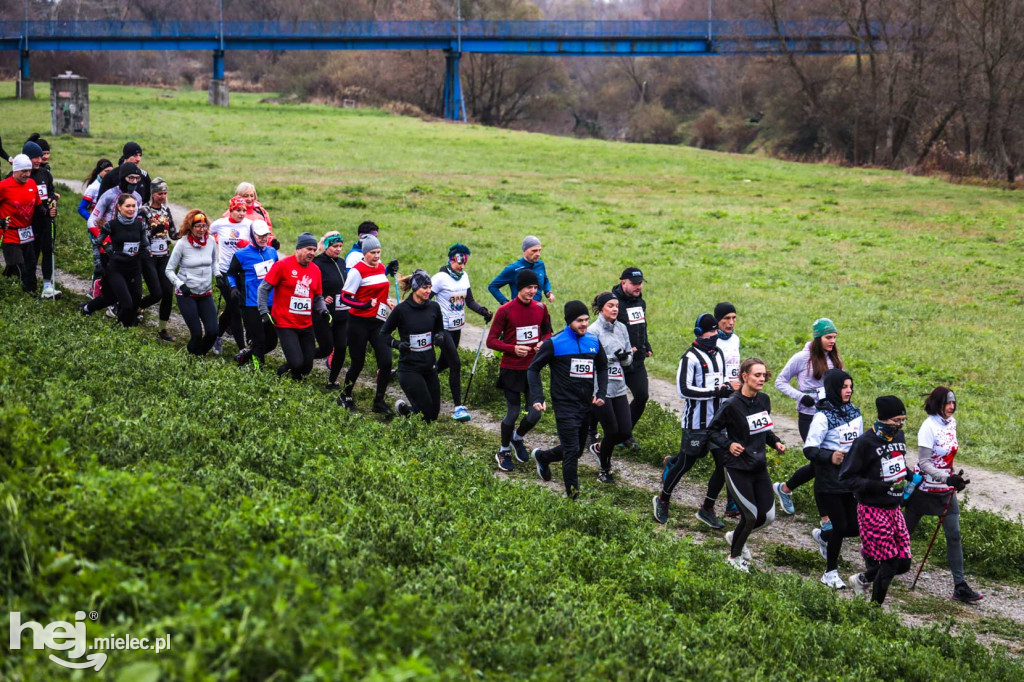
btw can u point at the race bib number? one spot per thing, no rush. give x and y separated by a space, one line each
421 342
615 371
894 468
300 305
338 305
130 248
527 335
25 234
158 246
732 371
383 311
635 315
44 192
759 423
456 322
581 368
262 268
847 434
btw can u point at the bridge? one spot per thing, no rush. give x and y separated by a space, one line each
453 38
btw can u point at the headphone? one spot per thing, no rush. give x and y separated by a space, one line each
697 331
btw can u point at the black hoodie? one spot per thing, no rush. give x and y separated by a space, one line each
111 180
871 467
420 324
746 421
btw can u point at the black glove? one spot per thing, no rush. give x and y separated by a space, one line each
99 271
3 223
488 315
326 317
807 401
622 355
235 293
184 290
391 269
723 391
404 346
958 481
275 243
266 318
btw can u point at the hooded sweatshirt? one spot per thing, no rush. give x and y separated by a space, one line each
106 205
834 428
872 465
419 324
746 421
799 366
613 336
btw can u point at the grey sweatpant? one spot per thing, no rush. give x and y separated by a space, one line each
931 504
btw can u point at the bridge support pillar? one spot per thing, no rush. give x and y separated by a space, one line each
219 96
26 87
454 104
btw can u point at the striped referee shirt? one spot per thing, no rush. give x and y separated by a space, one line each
698 379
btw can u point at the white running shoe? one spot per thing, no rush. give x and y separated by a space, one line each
822 545
832 579
49 291
860 587
111 311
745 553
402 408
461 414
218 346
739 563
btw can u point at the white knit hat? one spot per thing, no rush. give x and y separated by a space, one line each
21 162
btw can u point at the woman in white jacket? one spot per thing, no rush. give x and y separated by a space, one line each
191 269
808 367
614 414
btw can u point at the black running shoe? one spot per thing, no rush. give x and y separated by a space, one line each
660 510
605 477
381 407
710 518
522 454
543 470
347 402
963 592
243 357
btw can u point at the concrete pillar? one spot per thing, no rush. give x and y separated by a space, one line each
218 85
26 88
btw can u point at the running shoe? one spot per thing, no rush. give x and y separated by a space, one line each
84 309
630 444
593 437
243 357
859 585
402 408
347 402
218 346
785 499
826 525
164 335
745 552
739 563
381 407
832 579
605 477
111 311
595 450
543 470
963 592
522 454
660 510
461 414
709 517
822 545
49 291
333 386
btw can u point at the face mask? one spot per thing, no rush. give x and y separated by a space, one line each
708 344
129 187
888 431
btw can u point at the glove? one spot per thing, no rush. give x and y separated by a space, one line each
622 355
184 290
235 293
392 268
326 317
266 318
275 243
958 481
488 315
404 346
898 486
99 271
723 391
807 401
3 223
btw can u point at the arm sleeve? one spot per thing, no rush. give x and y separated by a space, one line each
263 295
815 436
439 322
545 325
540 360
319 307
172 265
349 289
924 463
689 389
788 372
851 468
494 340
390 325
602 372
627 347
234 271
472 304
505 277
547 279
83 207
102 204
145 239
172 229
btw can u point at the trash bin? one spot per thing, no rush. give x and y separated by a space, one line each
69 105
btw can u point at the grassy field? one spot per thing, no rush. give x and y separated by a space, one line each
922 277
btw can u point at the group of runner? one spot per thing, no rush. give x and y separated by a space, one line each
315 303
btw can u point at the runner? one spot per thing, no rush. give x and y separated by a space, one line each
254 210
530 261
808 366
614 414
331 338
743 426
633 314
366 293
92 187
248 268
937 445
125 240
451 288
579 382
518 329
191 270
355 254
700 382
835 426
105 210
19 198
875 468
162 231
130 153
231 234
729 344
38 151
298 295
420 326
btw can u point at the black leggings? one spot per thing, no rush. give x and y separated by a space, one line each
841 509
752 491
717 480
512 410
451 361
166 288
572 435
298 346
154 282
200 315
636 382
881 573
262 335
692 447
618 427
231 318
332 338
804 474
123 284
423 389
44 245
20 262
363 330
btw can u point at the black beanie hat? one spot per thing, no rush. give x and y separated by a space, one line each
724 308
889 406
32 150
705 323
526 278
131 149
43 144
574 309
